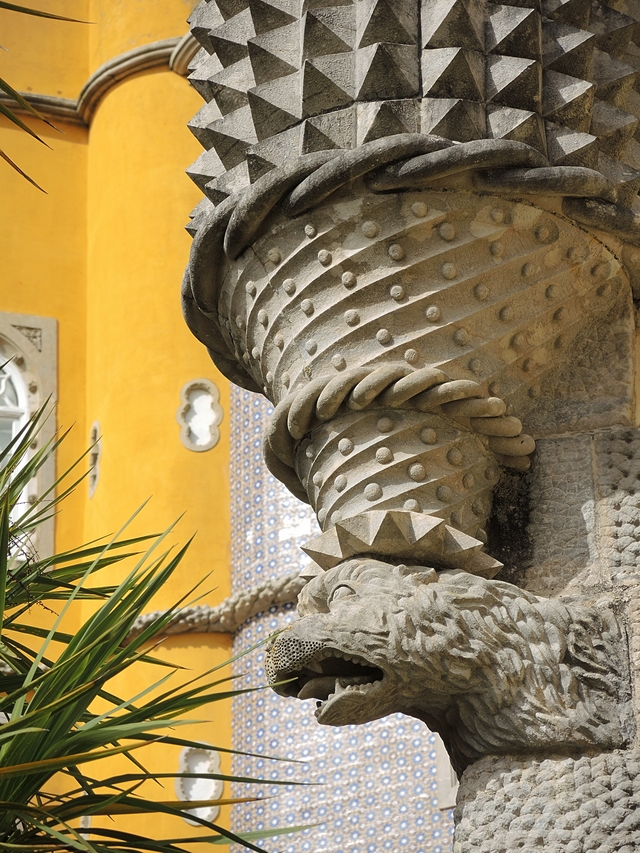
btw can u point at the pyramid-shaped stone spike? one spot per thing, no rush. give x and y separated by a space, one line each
327 82
276 105
458 547
632 56
233 181
566 49
293 8
567 100
275 54
613 78
323 4
391 21
518 125
327 31
627 7
204 18
612 29
567 147
446 23
483 565
231 8
215 195
278 149
632 106
632 155
197 215
267 16
400 535
426 527
524 4
199 124
230 86
452 72
308 573
575 13
387 528
513 31
257 167
199 78
387 118
326 549
613 127
625 178
315 140
387 71
232 135
206 168
200 56
514 82
336 129
453 118
229 41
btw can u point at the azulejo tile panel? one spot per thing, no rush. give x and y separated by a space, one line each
375 786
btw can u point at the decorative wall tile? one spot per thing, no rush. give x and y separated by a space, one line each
376 785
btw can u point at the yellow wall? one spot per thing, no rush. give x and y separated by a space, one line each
122 25
46 56
43 250
103 252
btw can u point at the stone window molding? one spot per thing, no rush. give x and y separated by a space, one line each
29 344
198 760
199 415
95 454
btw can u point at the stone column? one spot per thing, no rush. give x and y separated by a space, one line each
419 242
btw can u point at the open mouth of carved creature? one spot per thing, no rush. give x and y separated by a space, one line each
332 675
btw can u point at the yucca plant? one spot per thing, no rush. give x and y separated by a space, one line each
57 710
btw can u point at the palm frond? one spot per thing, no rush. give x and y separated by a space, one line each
49 721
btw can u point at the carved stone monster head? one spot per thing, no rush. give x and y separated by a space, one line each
491 667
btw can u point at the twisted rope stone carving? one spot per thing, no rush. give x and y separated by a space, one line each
419 239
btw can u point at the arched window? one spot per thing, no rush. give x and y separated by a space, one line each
13 402
28 378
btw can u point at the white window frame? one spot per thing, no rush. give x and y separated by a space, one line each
31 344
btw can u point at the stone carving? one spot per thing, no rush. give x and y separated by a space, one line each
514 684
228 616
492 668
420 241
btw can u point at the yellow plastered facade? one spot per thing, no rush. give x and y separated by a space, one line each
103 253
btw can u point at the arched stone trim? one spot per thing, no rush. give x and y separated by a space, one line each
175 53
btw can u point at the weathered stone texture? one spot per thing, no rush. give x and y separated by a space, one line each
618 467
593 387
559 804
562 545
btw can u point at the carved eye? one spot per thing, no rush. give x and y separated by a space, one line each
341 591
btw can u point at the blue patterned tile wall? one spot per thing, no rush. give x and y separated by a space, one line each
375 786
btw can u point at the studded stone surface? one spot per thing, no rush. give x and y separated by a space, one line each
487 290
378 789
397 460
